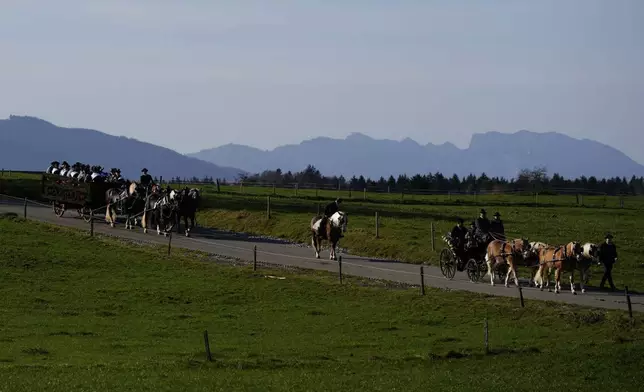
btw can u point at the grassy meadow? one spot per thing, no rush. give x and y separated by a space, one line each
405 221
80 313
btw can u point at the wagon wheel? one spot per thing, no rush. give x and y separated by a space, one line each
85 213
473 270
447 263
59 209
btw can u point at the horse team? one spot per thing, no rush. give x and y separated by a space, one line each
542 259
160 207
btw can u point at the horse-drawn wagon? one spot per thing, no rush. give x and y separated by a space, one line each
66 193
470 258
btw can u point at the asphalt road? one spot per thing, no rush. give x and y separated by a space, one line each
279 252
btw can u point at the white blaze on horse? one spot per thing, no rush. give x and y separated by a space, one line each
504 252
331 232
561 258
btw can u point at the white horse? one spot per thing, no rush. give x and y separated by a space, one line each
332 230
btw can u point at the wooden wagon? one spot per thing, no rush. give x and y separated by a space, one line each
66 193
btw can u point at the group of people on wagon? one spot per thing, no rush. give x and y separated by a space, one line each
480 233
86 173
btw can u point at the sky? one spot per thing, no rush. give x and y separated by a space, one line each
195 74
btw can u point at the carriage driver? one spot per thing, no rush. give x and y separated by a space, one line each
482 226
329 210
146 180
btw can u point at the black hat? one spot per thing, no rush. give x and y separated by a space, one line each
459 220
55 163
144 170
338 200
483 211
608 235
497 214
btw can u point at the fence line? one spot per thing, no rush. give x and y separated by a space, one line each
254 251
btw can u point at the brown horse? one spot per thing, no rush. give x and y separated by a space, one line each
561 258
332 230
503 252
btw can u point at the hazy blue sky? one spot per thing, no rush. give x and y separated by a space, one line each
196 74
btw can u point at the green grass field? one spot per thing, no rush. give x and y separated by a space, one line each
81 313
405 223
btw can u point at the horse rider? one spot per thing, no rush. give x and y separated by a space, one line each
608 257
329 210
483 226
496 227
53 168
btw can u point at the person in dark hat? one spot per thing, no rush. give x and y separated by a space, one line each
53 168
146 180
64 168
458 234
483 226
608 257
496 227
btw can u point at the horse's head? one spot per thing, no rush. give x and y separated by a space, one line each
523 246
590 251
340 219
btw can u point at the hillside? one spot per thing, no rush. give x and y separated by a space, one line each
493 153
29 143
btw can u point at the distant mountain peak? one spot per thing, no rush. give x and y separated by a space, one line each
494 153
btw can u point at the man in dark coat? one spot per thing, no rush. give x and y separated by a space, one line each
458 234
146 180
482 226
329 210
608 257
496 227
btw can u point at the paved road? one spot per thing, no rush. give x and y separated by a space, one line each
277 252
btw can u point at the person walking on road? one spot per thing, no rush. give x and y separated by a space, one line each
608 257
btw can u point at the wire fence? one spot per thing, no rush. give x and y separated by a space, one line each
401 273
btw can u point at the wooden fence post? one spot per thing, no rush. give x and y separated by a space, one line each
218 186
274 190
206 343
628 301
433 242
296 188
487 349
255 258
364 194
25 212
268 207
318 209
340 268
520 295
422 280
169 243
91 223
377 225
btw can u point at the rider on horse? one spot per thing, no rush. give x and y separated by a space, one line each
329 210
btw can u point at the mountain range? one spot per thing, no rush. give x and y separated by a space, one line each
492 153
29 143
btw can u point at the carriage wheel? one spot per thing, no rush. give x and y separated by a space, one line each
85 213
447 263
59 209
473 270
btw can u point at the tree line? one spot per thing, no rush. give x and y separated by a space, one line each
528 180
